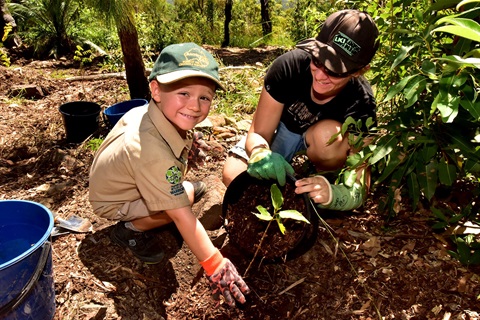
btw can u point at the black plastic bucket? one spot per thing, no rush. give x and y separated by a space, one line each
26 275
258 193
80 119
117 110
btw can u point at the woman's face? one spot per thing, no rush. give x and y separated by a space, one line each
324 84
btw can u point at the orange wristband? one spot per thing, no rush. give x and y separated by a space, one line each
211 264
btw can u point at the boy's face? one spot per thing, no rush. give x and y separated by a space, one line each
186 102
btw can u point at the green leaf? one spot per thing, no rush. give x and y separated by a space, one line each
441 5
354 159
454 254
413 188
439 214
277 198
475 257
349 121
447 173
463 251
398 87
427 178
462 27
428 67
264 214
440 225
460 31
462 3
383 149
472 166
395 183
413 89
466 62
465 146
447 105
292 214
428 152
281 226
402 55
456 218
473 108
392 163
349 177
369 123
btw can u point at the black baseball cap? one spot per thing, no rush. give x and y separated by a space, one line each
346 43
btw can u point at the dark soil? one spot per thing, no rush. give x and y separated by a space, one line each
260 238
361 265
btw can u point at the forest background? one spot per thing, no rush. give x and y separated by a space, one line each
425 76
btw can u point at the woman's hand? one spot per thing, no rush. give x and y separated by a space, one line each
318 189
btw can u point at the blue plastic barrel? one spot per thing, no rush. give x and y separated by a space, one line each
117 110
26 274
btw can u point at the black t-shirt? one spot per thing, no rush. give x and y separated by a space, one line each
289 81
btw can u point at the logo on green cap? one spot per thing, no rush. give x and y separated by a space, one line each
195 57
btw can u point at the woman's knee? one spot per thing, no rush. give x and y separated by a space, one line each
233 166
326 147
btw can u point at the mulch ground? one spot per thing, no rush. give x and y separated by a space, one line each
359 267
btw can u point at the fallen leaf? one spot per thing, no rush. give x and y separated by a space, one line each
371 247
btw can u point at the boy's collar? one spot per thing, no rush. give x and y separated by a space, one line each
166 129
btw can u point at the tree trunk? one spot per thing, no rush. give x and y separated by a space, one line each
266 23
132 58
210 13
228 19
5 20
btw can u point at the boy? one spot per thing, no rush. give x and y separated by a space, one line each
137 174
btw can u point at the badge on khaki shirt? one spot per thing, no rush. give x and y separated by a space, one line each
174 177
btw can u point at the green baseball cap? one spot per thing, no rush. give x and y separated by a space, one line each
184 60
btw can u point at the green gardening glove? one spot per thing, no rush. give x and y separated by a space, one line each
265 164
344 198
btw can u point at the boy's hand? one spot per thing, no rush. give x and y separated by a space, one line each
224 279
196 155
265 164
228 283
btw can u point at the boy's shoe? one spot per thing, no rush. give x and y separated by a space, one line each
199 189
143 245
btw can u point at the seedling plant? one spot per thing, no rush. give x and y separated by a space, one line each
278 215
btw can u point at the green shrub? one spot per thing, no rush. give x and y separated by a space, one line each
4 59
46 25
428 86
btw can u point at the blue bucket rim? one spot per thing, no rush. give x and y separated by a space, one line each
121 102
39 243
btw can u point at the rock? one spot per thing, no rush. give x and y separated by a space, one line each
218 130
225 135
217 120
204 124
209 209
230 121
27 91
244 125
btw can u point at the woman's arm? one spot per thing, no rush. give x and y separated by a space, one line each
340 197
265 122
